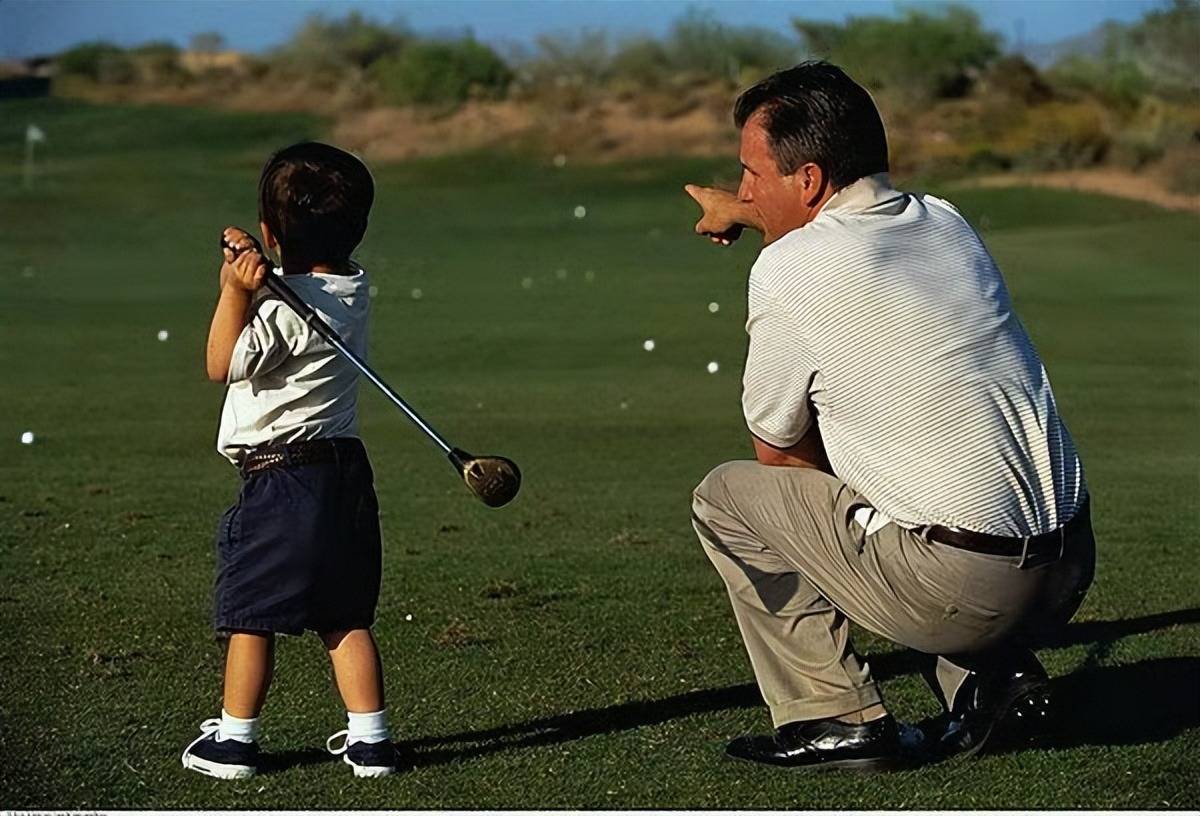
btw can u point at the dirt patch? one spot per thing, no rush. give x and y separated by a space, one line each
1120 183
387 134
498 589
457 635
609 131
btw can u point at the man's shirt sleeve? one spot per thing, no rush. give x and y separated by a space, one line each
779 371
273 334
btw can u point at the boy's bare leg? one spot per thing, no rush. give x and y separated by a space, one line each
356 668
249 666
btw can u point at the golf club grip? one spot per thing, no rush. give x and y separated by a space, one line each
284 292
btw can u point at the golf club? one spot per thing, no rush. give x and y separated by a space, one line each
494 479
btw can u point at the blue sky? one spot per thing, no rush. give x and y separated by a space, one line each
44 26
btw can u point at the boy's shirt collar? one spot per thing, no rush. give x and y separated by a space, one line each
338 285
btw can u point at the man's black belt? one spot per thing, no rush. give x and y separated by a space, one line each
1044 545
295 454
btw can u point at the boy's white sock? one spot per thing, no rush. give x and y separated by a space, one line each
236 728
369 727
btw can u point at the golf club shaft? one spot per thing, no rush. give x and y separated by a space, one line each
284 292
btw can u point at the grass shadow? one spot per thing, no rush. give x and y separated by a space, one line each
1145 702
1108 705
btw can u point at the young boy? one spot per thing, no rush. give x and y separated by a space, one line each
300 549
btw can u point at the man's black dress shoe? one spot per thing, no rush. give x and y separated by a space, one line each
1010 705
880 745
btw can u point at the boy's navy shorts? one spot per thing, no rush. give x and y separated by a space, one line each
300 549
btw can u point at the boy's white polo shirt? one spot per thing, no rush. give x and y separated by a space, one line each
286 384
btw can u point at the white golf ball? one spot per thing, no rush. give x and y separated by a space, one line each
560 160
526 283
417 294
580 211
163 335
27 438
714 307
713 368
648 345
408 617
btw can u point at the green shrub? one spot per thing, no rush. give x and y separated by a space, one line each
442 72
99 61
642 62
922 55
1115 80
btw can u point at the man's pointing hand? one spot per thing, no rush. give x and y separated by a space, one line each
719 221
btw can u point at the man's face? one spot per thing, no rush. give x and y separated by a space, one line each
783 202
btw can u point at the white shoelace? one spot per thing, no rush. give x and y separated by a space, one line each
344 734
207 727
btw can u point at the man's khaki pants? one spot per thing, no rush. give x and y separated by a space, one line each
799 568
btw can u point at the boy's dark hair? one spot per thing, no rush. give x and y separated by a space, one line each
315 199
815 113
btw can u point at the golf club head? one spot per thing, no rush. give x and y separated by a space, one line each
494 479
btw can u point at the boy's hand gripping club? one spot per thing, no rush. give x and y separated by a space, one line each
494 479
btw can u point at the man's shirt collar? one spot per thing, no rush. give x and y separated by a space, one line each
862 195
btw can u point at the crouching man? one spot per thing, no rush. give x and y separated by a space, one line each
913 474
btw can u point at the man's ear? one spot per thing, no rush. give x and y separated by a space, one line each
812 182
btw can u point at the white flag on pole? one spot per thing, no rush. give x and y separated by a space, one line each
33 134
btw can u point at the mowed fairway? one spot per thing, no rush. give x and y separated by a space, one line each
574 650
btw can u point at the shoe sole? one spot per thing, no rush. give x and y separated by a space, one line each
369 771
217 769
1024 716
859 765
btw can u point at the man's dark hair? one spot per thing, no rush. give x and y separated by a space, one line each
815 113
315 199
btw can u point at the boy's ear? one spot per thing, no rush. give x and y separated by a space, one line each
268 239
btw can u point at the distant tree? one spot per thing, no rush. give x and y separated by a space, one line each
918 55
158 61
1158 54
701 45
584 58
643 61
1166 46
208 42
353 42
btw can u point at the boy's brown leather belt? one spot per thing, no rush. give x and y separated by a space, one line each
1050 543
293 454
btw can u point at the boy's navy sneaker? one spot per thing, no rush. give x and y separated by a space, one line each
224 759
368 759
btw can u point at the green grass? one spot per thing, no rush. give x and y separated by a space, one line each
575 650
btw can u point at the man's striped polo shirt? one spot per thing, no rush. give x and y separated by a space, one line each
886 321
